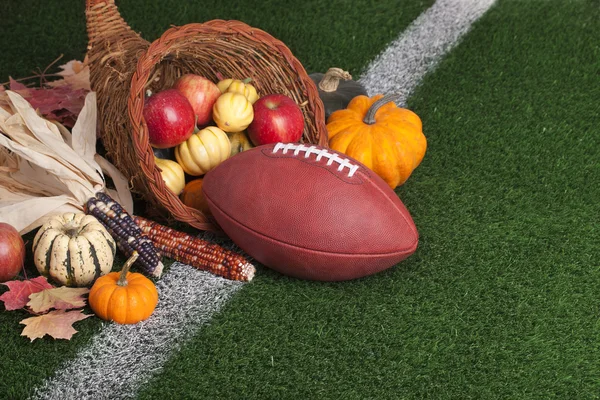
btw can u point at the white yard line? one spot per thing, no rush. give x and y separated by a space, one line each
120 359
402 65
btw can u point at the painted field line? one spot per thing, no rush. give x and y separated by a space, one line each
402 65
121 359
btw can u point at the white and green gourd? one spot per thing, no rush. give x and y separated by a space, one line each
73 249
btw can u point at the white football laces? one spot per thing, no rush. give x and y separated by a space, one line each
320 153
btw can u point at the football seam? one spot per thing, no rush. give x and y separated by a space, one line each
409 250
335 172
362 170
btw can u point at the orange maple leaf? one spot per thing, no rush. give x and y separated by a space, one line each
61 298
57 324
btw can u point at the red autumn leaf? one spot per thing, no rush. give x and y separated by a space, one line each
61 99
14 85
58 324
62 103
19 291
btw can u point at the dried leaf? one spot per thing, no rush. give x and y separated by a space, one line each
45 168
75 74
58 324
62 103
122 195
64 132
19 292
14 85
71 68
79 187
61 298
52 139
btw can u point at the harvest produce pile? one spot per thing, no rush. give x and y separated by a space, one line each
500 299
52 180
198 124
217 145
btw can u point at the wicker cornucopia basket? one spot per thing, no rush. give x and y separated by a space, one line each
123 66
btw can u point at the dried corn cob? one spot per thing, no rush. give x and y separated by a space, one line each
127 234
197 252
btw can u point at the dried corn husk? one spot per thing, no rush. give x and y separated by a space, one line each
46 170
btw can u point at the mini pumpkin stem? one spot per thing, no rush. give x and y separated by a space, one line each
370 116
247 80
123 277
331 79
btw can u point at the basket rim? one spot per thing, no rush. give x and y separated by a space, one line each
136 100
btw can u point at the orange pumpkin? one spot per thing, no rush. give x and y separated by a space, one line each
386 138
193 197
123 297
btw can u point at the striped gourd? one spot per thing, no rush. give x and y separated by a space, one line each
73 249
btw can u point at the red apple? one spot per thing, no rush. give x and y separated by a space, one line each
12 252
201 93
170 118
277 118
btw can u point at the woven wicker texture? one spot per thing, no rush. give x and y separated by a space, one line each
124 66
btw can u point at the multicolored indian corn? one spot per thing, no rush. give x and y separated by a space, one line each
127 234
197 252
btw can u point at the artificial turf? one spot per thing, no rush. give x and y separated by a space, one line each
34 33
320 34
501 299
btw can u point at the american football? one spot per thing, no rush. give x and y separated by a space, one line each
310 212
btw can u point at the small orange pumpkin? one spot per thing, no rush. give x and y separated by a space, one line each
123 297
193 197
386 138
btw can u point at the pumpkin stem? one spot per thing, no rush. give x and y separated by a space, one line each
247 80
123 277
370 116
331 79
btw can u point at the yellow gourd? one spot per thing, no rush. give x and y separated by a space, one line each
203 151
386 138
172 174
233 112
224 84
238 86
239 142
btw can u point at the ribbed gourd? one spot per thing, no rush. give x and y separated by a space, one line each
233 112
386 138
203 151
239 142
124 297
239 86
172 174
73 249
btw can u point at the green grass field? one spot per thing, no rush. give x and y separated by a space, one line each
501 298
